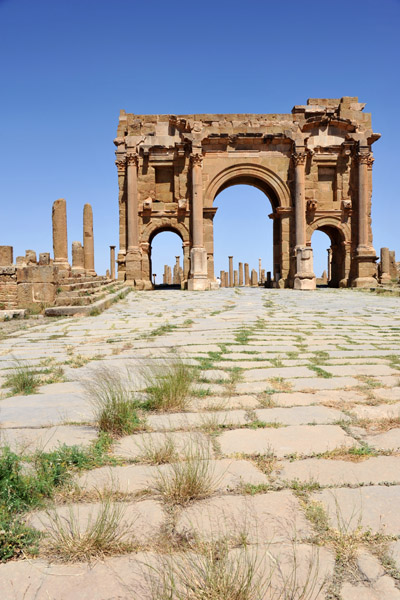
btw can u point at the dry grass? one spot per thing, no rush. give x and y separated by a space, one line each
381 425
104 535
158 452
190 479
114 405
169 385
214 573
279 384
353 454
23 379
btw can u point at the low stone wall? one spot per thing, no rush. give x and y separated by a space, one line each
8 288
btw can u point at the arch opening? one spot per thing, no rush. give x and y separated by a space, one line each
166 258
329 255
242 228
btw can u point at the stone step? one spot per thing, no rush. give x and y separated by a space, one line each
80 299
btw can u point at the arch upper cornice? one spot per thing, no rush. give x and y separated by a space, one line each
252 174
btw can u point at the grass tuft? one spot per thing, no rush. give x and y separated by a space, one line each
113 402
22 380
169 386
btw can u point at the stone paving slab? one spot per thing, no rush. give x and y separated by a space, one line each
285 372
301 415
382 411
392 394
328 472
375 508
273 517
389 440
141 520
189 420
47 439
134 446
43 410
301 439
227 475
320 383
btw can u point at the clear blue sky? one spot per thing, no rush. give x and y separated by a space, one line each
69 66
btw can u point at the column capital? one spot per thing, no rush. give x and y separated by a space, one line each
132 159
120 163
365 158
196 159
299 158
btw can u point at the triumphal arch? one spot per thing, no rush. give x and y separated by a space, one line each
314 165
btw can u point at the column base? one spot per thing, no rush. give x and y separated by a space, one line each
198 284
385 278
302 282
364 282
304 279
133 266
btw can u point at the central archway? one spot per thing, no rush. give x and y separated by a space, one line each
278 195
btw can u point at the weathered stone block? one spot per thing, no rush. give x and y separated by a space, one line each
6 255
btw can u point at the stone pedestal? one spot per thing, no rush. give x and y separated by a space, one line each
134 267
198 261
78 261
366 269
304 278
384 269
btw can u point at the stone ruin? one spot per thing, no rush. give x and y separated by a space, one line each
314 165
51 281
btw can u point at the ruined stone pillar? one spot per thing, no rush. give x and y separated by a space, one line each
254 278
259 270
246 274
230 271
235 278
198 254
304 277
329 264
60 241
226 280
385 266
177 269
88 242
78 261
365 258
222 278
240 273
133 254
112 262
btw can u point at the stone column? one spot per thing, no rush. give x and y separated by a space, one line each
198 255
133 253
112 262
304 277
365 258
177 269
230 271
240 273
254 278
226 279
235 278
88 242
385 266
246 274
60 241
222 278
259 270
329 264
78 260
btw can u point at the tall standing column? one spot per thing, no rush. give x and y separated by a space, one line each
60 241
240 273
198 254
88 242
365 258
246 274
230 271
133 253
304 278
329 264
112 262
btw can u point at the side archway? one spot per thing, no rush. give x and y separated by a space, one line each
339 255
150 232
